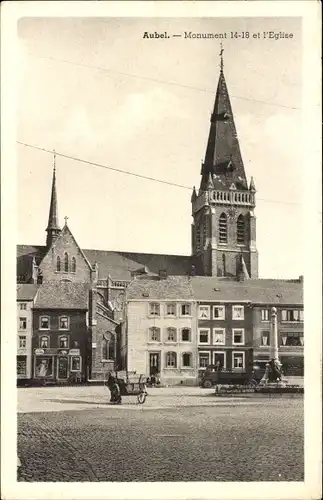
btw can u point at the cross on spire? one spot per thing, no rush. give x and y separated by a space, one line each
221 56
66 219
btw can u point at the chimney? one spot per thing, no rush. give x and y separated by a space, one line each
162 274
301 279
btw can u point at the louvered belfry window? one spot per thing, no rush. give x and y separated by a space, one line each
223 229
240 229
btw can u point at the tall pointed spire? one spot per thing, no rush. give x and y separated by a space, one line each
53 228
223 156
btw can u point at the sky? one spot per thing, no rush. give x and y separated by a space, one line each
144 106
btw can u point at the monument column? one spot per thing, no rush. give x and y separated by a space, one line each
274 335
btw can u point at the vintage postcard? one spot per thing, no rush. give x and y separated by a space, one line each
161 250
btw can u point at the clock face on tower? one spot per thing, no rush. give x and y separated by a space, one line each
232 212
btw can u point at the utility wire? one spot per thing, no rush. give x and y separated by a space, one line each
100 165
107 70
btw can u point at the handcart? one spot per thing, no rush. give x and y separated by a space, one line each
130 384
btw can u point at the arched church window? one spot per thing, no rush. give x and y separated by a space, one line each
198 237
223 228
205 230
73 265
58 264
240 229
66 262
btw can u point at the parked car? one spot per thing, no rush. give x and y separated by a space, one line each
212 376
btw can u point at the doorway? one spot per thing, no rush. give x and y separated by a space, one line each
154 363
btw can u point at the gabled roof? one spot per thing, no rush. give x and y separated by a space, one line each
259 291
62 295
119 265
174 287
26 291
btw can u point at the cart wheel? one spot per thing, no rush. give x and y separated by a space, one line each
141 397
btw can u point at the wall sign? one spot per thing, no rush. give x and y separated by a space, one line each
74 352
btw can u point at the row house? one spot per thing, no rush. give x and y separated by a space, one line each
60 343
26 294
287 297
224 324
160 334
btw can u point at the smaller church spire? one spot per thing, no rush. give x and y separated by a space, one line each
210 184
53 228
242 273
194 195
252 186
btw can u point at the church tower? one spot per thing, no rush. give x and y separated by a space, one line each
224 224
53 228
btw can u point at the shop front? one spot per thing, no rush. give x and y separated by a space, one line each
58 365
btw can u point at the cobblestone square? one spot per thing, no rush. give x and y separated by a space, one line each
183 434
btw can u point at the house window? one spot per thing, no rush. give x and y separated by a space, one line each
264 315
238 336
171 334
292 339
58 264
185 310
171 360
240 230
22 323
63 342
44 323
44 342
187 360
223 228
66 262
238 360
73 265
171 310
22 342
204 359
23 306
21 365
154 334
219 336
204 312
218 312
63 323
264 341
237 312
204 336
292 315
76 363
154 309
219 357
186 335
